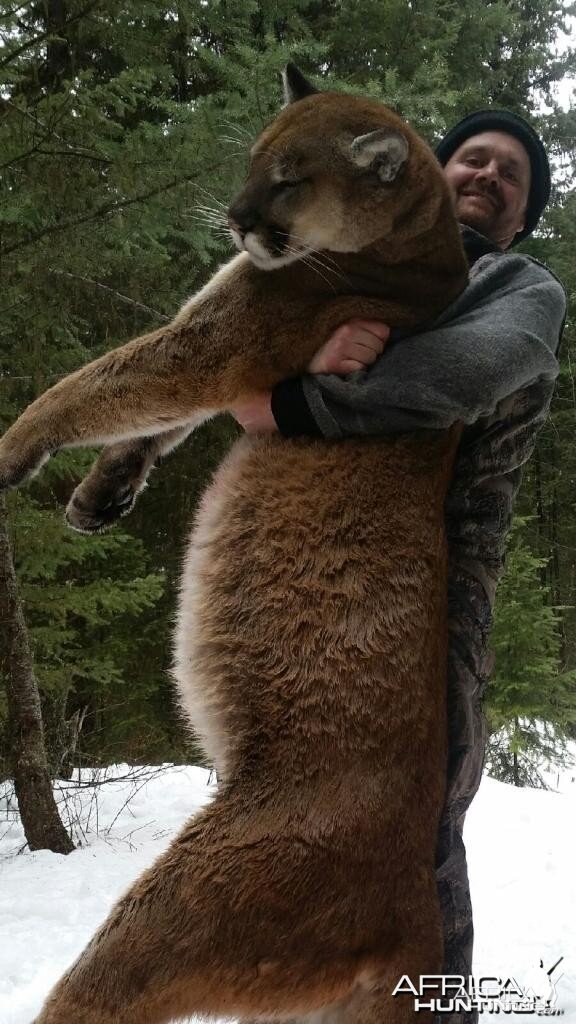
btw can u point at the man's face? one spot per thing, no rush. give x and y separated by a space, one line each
490 180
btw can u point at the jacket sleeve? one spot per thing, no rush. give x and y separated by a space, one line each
501 335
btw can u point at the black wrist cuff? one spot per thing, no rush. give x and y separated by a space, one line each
291 410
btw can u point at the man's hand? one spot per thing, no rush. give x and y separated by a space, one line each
353 346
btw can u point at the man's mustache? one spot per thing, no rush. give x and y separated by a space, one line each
492 197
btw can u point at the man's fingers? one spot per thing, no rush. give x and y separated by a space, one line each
373 327
353 346
366 349
351 365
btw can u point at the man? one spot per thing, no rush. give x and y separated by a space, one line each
489 361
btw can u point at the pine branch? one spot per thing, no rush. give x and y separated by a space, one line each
49 132
104 211
45 35
15 10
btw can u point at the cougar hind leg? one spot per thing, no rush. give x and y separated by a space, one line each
219 926
371 1001
418 952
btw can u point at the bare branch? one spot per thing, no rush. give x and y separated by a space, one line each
117 295
55 152
78 154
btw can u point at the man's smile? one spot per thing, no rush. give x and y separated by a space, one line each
484 196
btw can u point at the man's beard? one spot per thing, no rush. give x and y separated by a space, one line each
480 217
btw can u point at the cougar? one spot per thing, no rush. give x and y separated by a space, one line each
312 636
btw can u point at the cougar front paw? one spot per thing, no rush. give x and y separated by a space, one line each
94 509
19 462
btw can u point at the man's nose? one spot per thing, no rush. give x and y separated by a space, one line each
489 172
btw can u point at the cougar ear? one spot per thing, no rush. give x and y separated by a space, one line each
385 150
296 87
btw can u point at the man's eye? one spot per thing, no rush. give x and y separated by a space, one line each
473 161
511 176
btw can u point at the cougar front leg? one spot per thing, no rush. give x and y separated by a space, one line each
149 386
119 474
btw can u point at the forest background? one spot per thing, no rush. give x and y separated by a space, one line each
119 122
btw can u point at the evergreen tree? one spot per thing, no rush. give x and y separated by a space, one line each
531 700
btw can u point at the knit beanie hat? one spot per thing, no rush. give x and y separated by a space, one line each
512 124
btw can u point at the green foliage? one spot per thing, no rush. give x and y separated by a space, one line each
83 598
532 698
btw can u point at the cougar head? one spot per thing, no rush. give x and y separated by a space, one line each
332 172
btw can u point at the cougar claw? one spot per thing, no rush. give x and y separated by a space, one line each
125 498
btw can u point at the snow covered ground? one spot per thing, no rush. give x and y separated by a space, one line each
521 849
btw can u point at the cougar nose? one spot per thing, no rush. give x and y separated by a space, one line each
241 221
234 226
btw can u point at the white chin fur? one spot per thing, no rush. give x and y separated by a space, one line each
265 260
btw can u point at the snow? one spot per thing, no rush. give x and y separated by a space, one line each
521 850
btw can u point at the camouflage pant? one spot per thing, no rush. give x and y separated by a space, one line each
468 668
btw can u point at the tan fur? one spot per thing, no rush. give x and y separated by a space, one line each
311 644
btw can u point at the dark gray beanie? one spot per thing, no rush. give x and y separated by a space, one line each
512 124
